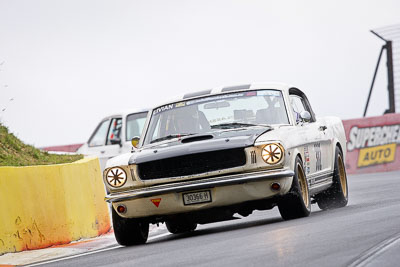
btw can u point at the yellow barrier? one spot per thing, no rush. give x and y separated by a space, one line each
41 206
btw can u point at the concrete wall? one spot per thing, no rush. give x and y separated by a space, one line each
41 206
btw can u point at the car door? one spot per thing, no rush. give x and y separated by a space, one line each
316 142
114 140
104 141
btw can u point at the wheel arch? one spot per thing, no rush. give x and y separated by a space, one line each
294 152
299 155
342 147
339 146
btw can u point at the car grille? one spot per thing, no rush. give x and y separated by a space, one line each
192 164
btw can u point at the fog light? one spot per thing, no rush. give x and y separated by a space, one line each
121 209
275 187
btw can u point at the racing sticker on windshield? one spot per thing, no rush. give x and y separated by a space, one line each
216 98
180 104
268 93
163 108
213 98
252 93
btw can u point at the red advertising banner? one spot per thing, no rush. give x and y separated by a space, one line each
373 144
65 148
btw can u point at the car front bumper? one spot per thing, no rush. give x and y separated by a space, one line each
225 190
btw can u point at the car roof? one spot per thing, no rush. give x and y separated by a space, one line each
229 89
125 113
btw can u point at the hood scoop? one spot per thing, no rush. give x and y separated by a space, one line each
196 138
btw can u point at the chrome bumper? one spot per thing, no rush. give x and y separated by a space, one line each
197 184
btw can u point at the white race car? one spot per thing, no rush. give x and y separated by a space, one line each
214 153
112 136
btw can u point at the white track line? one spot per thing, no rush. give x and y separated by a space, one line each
375 251
89 252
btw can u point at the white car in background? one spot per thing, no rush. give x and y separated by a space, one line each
113 135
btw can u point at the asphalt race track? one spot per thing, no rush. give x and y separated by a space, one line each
365 233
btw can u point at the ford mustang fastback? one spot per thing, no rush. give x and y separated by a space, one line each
231 150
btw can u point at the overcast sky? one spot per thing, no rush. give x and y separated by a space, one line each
67 64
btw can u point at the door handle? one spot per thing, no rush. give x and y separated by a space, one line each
102 152
323 128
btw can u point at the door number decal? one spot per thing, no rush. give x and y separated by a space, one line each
318 156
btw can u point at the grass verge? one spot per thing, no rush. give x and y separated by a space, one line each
13 152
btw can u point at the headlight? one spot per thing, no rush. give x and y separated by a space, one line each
116 177
272 153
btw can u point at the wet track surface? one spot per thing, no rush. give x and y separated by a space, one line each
365 233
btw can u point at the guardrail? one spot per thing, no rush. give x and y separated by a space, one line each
41 206
373 144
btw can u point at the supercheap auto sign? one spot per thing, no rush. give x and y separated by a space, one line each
373 144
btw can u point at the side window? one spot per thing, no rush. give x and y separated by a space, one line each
134 125
115 130
298 105
99 136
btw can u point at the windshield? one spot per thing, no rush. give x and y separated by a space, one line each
134 125
212 113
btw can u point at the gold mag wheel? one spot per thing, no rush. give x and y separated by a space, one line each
303 185
342 175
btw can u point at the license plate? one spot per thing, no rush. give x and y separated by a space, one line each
196 197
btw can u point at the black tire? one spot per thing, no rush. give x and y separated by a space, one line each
129 232
176 227
336 196
296 203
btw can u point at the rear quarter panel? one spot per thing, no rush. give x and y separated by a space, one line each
337 134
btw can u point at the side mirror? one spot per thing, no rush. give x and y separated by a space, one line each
305 116
116 141
135 141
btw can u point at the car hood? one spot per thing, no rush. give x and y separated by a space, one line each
217 140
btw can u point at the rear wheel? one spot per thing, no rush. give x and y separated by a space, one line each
129 232
296 203
335 196
177 227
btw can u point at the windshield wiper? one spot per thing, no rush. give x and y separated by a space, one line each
170 136
233 125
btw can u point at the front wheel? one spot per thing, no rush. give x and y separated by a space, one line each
296 203
129 232
335 196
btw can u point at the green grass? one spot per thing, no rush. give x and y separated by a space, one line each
13 152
